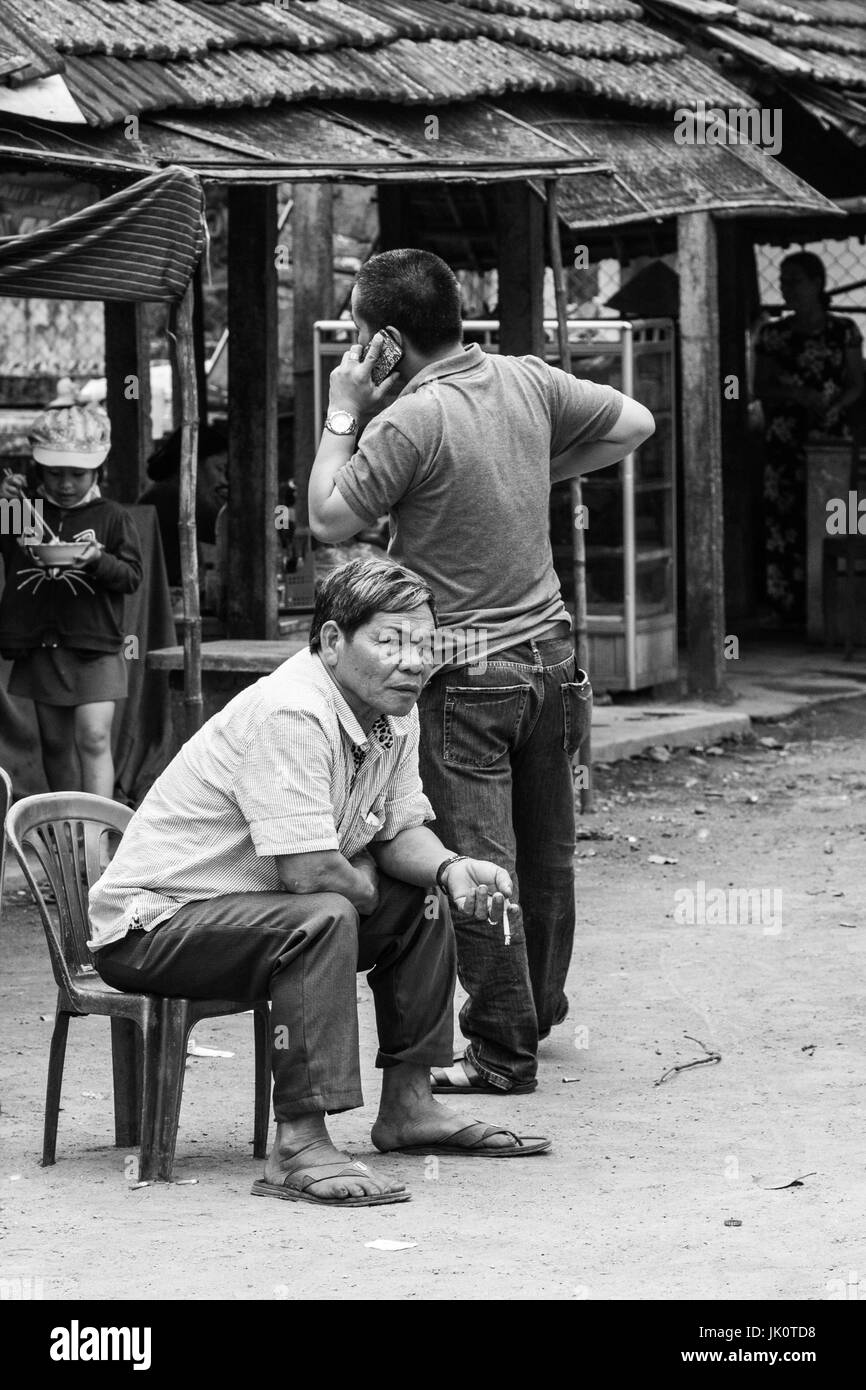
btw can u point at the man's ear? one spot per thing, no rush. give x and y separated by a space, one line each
396 335
331 638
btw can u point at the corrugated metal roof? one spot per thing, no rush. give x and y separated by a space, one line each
140 57
836 71
11 59
648 175
560 9
27 39
654 177
831 11
815 50
850 39
130 57
297 141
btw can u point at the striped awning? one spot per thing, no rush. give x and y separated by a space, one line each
142 243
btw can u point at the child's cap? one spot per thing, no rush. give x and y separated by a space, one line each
71 436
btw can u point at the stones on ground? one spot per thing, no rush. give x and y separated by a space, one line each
659 754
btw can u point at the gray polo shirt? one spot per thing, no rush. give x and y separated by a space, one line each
461 464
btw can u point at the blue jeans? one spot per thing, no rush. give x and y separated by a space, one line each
496 762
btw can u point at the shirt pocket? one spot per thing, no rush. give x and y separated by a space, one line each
375 817
480 723
576 699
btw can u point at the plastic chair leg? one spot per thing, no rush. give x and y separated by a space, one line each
56 1058
173 1033
126 1062
150 1037
262 1030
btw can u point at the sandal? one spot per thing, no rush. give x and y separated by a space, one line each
522 1147
295 1187
457 1080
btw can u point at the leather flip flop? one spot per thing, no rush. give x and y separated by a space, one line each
295 1187
456 1081
522 1147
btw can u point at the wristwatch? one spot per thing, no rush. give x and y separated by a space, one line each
341 422
446 864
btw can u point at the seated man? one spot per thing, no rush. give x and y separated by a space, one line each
284 848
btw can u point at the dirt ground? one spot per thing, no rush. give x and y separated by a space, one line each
635 1199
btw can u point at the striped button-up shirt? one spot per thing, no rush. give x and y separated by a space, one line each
285 768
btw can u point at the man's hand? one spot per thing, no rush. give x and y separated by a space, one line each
352 386
364 864
478 887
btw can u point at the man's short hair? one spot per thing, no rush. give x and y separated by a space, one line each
416 292
352 593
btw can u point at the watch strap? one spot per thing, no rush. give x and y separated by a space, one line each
440 872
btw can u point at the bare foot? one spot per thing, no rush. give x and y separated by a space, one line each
304 1145
409 1115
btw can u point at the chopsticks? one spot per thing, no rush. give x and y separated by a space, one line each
34 515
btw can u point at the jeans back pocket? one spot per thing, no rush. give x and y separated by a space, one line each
480 722
576 712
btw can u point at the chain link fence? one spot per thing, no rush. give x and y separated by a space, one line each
845 262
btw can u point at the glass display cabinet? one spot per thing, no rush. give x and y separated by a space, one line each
630 518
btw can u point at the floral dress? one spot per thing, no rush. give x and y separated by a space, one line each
805 361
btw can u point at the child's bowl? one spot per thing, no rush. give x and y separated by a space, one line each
65 553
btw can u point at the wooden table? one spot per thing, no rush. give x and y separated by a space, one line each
228 666
235 654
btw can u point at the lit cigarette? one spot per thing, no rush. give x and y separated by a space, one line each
506 925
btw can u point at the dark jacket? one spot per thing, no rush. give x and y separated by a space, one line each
82 608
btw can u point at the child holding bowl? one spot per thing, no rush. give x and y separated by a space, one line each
61 619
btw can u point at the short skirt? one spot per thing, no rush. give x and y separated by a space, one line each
61 676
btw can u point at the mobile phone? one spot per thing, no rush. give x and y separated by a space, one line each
389 356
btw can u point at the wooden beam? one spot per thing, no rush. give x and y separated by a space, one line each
251 581
702 450
520 258
127 377
313 298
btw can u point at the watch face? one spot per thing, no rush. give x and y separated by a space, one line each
341 422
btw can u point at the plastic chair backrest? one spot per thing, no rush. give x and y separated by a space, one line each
69 833
5 803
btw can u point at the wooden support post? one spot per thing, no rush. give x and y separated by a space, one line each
188 393
198 341
702 449
313 298
742 447
251 579
581 631
520 259
127 377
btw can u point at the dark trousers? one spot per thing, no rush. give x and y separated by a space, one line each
303 950
496 751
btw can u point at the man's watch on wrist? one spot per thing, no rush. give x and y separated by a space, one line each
341 422
444 866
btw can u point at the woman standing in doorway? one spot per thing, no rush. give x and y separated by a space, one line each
808 371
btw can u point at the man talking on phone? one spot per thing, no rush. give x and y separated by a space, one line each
462 461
